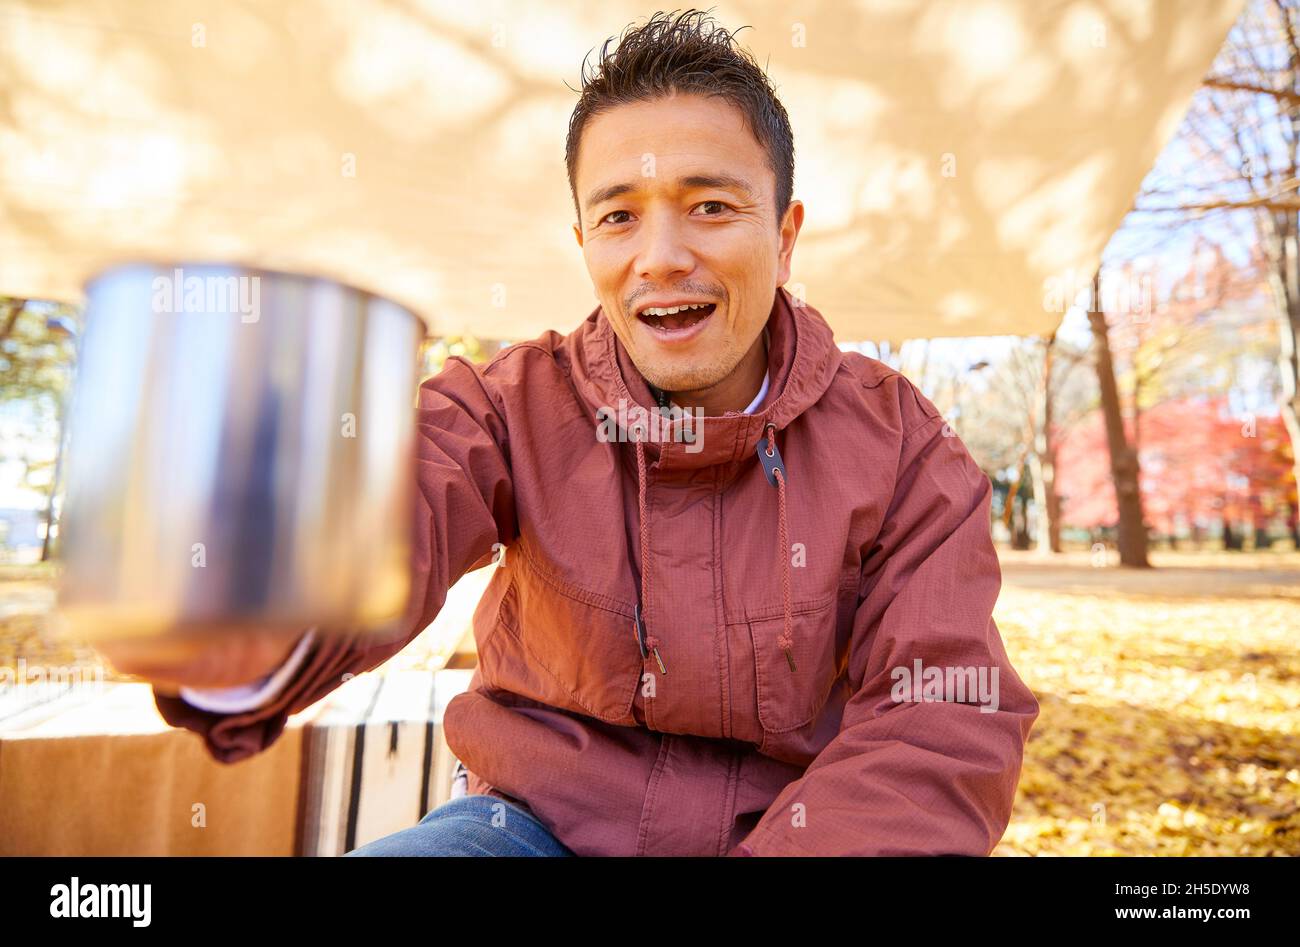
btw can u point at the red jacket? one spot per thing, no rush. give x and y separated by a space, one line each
806 622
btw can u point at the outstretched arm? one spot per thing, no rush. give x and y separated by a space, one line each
464 506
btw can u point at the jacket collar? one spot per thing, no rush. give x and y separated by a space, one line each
802 361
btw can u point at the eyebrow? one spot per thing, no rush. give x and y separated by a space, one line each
722 181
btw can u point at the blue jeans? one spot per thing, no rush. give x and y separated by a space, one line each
470 825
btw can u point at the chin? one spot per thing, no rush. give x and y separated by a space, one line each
687 377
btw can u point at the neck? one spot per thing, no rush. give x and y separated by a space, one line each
733 393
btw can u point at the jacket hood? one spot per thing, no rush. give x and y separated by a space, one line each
802 359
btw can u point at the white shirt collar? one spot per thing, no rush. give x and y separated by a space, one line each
762 392
758 399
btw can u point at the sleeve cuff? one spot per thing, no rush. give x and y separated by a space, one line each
245 697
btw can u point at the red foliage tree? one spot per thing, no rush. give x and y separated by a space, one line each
1199 463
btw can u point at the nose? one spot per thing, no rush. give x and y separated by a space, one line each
662 253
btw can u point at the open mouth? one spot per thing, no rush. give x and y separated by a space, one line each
678 321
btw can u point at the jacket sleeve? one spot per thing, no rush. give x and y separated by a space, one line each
250 696
905 776
464 505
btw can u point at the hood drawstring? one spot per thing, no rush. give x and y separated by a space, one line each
647 643
774 467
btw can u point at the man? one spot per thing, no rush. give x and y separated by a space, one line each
688 647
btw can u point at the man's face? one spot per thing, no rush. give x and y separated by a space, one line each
678 205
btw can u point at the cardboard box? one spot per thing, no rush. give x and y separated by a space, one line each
92 769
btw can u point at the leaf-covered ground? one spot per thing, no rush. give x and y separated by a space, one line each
1170 703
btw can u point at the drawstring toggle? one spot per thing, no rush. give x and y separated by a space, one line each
645 642
770 457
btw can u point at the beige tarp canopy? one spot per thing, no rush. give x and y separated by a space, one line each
953 156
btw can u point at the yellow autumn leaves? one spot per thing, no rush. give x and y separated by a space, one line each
1170 702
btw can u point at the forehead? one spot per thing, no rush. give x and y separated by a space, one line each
685 134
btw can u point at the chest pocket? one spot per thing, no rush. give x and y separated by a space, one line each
790 700
551 647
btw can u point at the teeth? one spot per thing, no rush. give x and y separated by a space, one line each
673 310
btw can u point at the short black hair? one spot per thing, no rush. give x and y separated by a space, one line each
684 52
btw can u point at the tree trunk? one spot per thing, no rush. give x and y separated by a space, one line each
10 310
46 543
1123 458
1284 278
1286 264
1231 541
1042 462
1020 525
1262 541
1038 479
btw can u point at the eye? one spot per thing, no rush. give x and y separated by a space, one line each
613 213
719 204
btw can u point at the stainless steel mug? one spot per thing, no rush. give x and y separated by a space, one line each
239 454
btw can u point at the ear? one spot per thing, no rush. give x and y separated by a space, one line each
790 225
577 233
